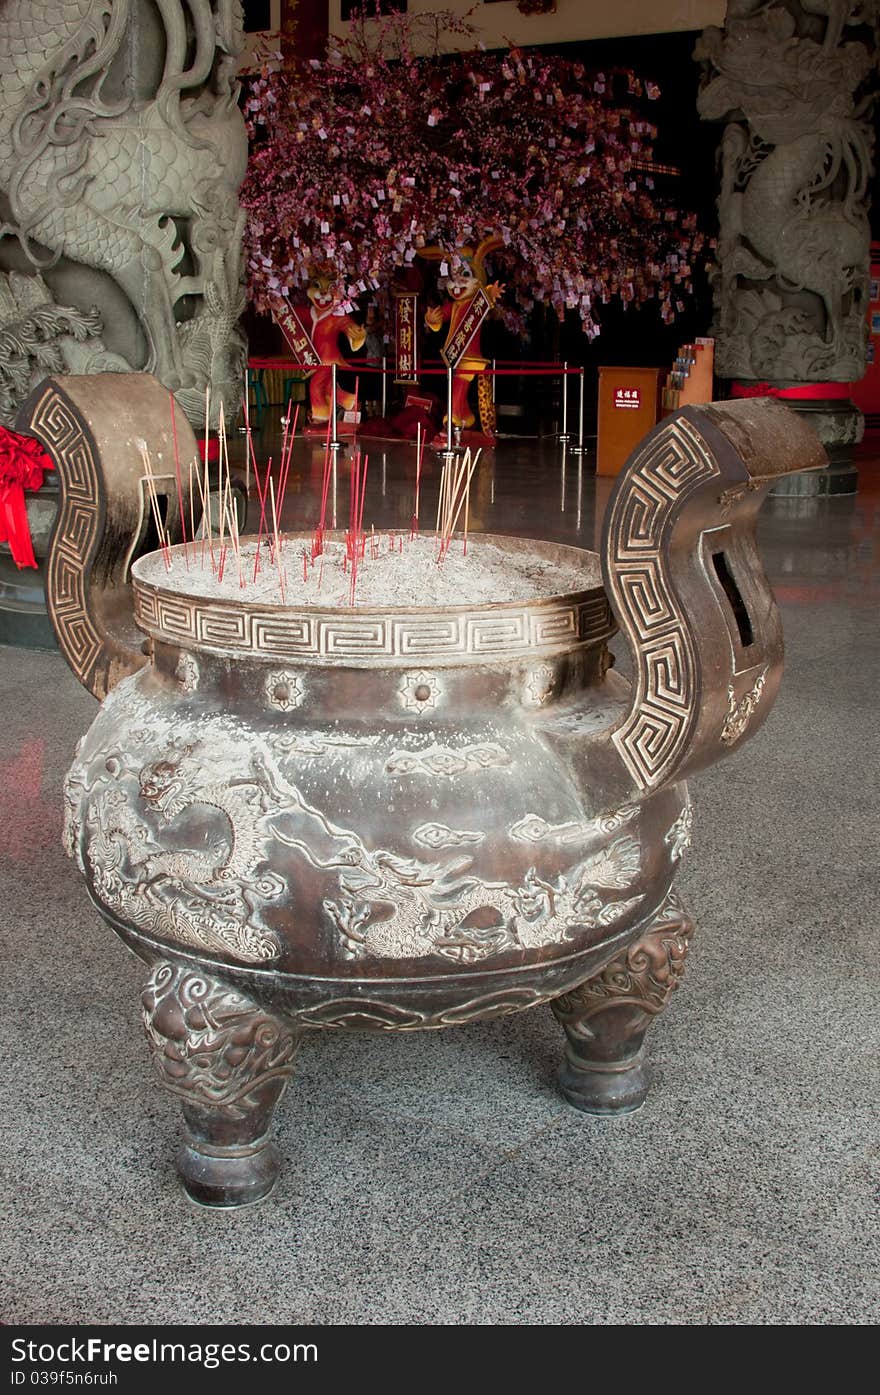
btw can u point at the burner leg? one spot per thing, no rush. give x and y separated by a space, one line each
605 1019
228 1060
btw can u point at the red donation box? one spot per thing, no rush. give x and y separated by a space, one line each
629 405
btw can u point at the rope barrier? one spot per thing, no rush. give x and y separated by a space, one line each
363 366
533 368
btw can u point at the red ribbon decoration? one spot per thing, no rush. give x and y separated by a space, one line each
803 393
294 330
23 462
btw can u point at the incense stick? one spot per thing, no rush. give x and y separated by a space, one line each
192 515
177 475
206 507
154 502
277 547
465 495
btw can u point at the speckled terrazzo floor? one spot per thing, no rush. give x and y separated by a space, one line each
441 1178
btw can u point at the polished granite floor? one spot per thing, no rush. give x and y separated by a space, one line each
441 1177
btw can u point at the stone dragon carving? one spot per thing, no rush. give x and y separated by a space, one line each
122 149
39 337
791 284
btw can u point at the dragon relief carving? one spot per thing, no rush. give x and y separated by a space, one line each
407 909
172 837
206 896
173 821
130 172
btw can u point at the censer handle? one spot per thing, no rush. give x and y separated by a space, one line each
92 426
686 583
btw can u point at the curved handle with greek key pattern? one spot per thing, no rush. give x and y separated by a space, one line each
91 426
686 583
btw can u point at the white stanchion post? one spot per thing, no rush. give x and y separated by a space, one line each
335 443
245 428
384 389
580 496
448 452
563 435
449 410
580 448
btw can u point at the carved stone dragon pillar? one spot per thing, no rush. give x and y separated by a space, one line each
122 149
792 80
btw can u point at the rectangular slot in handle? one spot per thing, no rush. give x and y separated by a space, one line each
737 604
147 539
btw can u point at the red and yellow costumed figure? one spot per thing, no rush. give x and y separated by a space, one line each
470 299
324 324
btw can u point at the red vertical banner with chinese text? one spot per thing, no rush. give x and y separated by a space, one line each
406 346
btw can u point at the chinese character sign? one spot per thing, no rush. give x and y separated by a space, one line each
406 355
459 340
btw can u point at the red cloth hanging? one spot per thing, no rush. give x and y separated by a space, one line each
23 462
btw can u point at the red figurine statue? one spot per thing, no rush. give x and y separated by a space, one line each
471 298
313 332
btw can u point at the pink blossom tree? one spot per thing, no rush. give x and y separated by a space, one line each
380 150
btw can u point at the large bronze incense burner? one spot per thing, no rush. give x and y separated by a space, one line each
400 819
